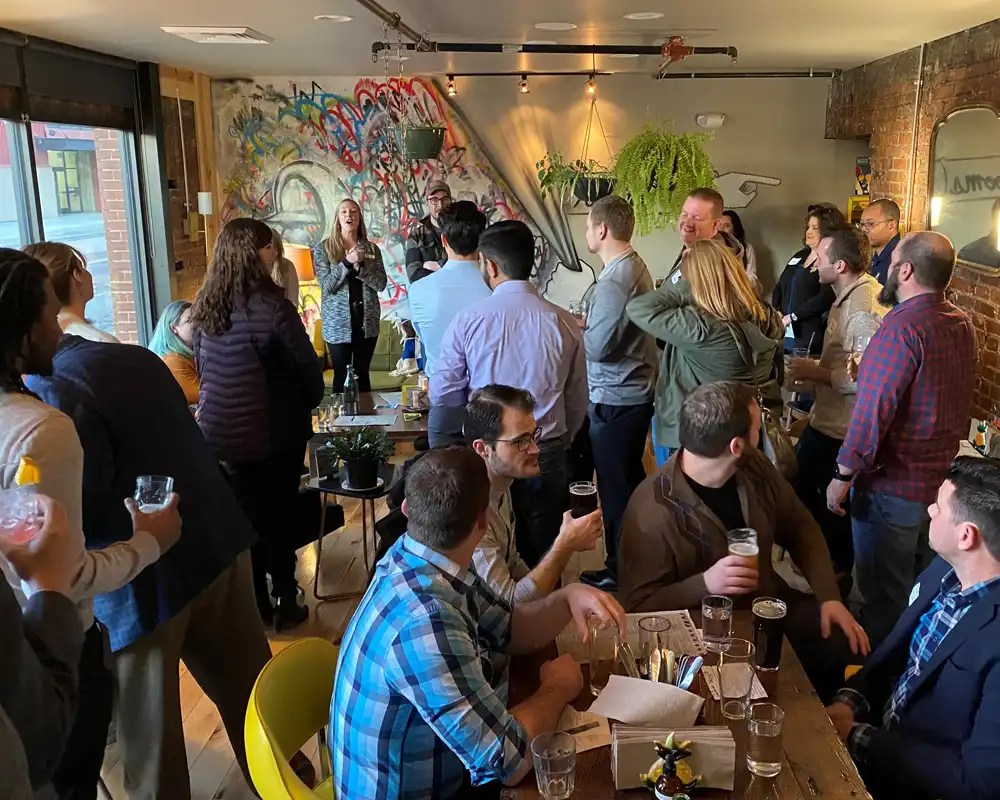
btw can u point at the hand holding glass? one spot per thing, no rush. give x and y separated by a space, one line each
20 512
152 492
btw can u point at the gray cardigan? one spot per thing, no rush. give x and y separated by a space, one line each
335 307
621 358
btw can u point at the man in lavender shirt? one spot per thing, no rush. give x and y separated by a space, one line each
516 338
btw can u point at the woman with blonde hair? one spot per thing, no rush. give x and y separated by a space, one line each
282 269
715 328
74 286
350 273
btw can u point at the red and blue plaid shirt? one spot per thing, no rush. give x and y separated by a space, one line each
915 387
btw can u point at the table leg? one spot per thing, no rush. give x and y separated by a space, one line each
364 531
319 556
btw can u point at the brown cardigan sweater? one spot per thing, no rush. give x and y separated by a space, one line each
669 538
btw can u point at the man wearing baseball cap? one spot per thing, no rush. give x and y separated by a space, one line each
424 252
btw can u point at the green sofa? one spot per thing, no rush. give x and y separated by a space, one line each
388 351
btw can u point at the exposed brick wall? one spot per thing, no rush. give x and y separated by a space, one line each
107 151
876 100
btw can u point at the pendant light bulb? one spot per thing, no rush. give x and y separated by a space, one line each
591 87
450 86
523 87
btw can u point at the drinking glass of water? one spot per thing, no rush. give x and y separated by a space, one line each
716 622
764 743
152 492
554 757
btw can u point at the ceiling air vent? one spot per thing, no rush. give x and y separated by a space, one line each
217 35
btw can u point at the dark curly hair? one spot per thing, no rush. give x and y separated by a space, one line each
22 300
235 273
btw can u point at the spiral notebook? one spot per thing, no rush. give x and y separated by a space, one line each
682 636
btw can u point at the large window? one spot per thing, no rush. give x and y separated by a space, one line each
77 186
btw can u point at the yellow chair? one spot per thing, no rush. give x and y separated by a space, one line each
290 703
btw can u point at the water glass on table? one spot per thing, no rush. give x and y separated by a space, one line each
603 655
736 673
152 492
20 512
554 757
652 638
716 621
764 721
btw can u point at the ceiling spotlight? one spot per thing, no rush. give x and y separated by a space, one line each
449 87
591 87
333 18
555 26
644 15
523 87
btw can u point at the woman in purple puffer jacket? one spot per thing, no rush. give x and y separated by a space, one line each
260 380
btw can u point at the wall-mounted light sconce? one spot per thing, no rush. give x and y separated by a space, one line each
710 120
449 87
937 203
523 87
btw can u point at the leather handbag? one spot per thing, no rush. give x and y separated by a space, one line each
776 443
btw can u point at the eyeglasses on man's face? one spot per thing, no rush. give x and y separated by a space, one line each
523 442
870 224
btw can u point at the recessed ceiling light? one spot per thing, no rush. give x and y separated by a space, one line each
555 26
644 15
333 18
541 41
624 55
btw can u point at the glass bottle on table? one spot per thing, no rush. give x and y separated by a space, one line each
351 398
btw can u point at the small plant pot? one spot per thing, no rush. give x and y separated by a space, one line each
422 144
590 190
361 473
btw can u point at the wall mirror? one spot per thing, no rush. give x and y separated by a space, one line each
965 184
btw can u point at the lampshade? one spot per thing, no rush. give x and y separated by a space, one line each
302 258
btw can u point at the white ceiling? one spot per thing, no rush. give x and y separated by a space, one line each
770 34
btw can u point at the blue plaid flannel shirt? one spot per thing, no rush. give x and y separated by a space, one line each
945 612
412 710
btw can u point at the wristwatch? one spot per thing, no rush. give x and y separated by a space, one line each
840 476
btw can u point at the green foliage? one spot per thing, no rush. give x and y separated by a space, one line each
558 177
364 443
656 170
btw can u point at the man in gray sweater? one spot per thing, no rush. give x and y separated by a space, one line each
621 372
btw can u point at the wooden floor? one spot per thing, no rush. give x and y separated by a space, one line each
214 773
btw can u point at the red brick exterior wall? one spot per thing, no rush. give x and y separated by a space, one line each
112 193
877 100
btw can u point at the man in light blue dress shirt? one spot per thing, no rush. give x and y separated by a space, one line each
436 299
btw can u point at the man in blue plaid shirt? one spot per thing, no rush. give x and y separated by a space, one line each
922 719
413 712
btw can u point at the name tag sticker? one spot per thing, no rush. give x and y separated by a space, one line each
676 279
794 261
914 594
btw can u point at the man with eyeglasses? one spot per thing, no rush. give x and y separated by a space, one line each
425 251
500 426
880 222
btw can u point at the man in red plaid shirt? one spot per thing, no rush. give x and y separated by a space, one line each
915 387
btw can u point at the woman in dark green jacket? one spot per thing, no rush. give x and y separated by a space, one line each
715 329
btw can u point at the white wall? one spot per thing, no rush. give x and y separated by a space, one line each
774 127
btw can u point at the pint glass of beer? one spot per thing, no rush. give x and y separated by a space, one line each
582 498
743 543
768 631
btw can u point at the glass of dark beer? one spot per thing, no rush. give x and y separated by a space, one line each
582 498
768 631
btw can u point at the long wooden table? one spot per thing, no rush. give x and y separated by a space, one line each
400 431
815 762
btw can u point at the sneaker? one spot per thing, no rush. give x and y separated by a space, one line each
602 579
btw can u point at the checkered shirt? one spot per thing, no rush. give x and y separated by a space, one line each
412 710
423 244
915 387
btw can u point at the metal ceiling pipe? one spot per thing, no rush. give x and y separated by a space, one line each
808 73
394 21
553 49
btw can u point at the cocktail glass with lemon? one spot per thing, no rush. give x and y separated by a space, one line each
20 514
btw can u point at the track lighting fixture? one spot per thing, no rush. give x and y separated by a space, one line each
450 86
591 86
523 87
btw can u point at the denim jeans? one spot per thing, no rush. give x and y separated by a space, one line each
539 503
890 549
817 457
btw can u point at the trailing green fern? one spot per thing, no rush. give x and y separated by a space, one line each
656 170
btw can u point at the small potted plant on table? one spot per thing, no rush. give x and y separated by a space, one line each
362 452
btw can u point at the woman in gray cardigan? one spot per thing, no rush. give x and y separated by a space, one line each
350 273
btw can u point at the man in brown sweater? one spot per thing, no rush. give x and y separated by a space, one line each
674 549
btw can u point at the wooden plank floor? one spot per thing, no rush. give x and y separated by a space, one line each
214 773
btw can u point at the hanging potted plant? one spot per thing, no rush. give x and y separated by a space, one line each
362 453
656 170
423 143
587 180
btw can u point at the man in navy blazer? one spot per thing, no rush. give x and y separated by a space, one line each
922 719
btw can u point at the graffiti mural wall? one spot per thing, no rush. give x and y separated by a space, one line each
290 151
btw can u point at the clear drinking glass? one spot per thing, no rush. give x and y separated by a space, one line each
152 492
764 722
603 654
736 671
20 513
800 352
743 543
554 757
578 308
716 621
336 407
653 633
